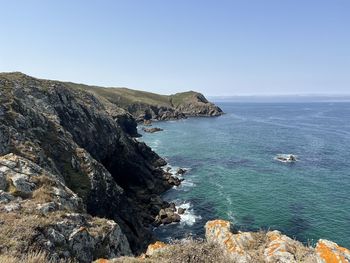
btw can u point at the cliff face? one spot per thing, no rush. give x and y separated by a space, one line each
84 142
149 106
38 212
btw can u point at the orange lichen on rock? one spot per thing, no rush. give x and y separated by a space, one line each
154 247
101 260
217 223
330 252
218 231
280 248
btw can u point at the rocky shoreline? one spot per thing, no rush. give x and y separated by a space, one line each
76 184
223 245
70 157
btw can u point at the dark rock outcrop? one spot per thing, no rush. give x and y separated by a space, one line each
37 211
87 143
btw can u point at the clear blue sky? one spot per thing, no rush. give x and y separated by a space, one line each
217 47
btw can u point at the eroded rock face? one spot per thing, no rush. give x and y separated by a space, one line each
280 248
219 231
196 104
146 106
86 143
28 180
155 247
271 246
328 252
51 217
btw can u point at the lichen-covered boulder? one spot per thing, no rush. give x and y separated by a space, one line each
330 252
155 247
5 197
218 231
81 244
280 248
260 246
29 181
38 212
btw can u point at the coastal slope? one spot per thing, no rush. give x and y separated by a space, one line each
150 106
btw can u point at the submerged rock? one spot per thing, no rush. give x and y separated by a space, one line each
181 171
152 130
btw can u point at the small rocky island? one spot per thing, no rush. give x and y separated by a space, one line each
77 186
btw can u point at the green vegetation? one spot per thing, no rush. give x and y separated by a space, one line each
182 97
124 97
76 181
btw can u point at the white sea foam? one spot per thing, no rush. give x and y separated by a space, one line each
231 217
229 200
186 183
189 217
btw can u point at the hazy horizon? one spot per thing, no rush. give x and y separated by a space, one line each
218 48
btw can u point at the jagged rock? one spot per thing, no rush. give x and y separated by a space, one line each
152 130
280 248
241 247
47 207
155 247
329 252
172 207
181 171
85 143
29 179
174 181
5 197
3 181
175 218
12 207
181 210
162 214
114 243
22 184
56 237
82 244
246 246
68 235
218 231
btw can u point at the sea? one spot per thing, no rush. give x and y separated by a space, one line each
233 173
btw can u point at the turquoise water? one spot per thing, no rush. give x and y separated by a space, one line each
233 174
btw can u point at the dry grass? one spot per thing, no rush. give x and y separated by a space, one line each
305 254
32 257
18 230
256 249
42 195
187 251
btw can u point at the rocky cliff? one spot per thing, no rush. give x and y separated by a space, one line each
76 185
149 106
82 145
